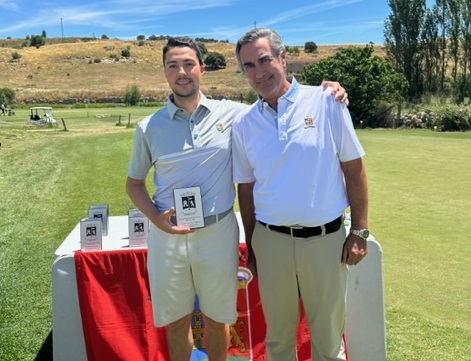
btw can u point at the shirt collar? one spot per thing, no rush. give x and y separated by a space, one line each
290 95
172 108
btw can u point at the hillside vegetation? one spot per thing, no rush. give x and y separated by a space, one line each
94 68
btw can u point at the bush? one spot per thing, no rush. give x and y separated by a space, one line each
141 37
292 49
215 60
104 37
15 55
126 53
369 80
7 95
252 96
132 94
203 49
37 40
454 119
310 47
447 119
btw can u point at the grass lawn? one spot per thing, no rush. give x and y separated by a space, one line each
419 212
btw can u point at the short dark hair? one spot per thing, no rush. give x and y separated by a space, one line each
182 41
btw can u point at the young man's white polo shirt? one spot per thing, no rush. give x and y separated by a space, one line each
294 155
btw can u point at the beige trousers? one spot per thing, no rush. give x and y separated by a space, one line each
309 268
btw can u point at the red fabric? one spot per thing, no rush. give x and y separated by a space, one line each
116 311
116 308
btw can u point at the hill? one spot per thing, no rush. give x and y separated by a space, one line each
94 68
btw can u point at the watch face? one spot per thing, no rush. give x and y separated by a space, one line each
365 233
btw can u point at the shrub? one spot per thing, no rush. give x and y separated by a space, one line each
7 95
203 49
37 40
252 96
215 60
141 37
104 37
292 49
132 94
15 55
369 79
97 60
126 53
454 119
310 47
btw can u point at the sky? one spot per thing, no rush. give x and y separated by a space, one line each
299 21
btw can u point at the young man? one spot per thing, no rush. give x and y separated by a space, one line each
188 143
298 165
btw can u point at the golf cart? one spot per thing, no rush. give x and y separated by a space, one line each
42 115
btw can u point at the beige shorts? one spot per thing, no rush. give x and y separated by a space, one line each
204 262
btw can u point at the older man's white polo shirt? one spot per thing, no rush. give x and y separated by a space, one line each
294 156
188 150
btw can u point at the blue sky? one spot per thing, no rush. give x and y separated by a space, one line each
298 21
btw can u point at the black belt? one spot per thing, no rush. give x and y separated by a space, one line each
306 232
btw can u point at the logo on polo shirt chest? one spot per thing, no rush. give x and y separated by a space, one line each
220 127
309 122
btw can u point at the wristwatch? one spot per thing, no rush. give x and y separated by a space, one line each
363 233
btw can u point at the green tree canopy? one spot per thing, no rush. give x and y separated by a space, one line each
403 41
37 40
368 79
203 48
7 95
215 60
310 47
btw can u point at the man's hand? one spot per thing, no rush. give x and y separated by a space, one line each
337 90
163 221
354 250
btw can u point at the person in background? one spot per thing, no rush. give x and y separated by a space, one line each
298 165
188 144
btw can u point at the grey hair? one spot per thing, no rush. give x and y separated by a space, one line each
274 39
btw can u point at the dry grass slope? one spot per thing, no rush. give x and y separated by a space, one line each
94 69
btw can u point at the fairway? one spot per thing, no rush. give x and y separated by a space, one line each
420 206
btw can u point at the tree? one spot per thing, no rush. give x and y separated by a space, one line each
310 47
465 53
37 40
7 95
203 49
215 60
431 52
141 37
132 94
403 41
369 79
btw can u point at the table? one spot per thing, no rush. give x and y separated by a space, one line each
365 322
